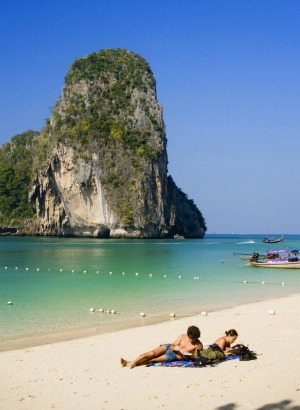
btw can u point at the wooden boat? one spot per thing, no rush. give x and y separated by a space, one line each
282 259
273 240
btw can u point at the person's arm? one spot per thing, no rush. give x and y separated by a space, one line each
199 347
221 342
175 345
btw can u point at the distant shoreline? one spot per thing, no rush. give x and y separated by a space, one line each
8 231
20 232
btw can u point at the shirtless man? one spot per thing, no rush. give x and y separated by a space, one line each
224 342
185 347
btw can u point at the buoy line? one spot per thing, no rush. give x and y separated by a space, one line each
101 310
150 275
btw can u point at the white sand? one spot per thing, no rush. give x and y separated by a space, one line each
86 373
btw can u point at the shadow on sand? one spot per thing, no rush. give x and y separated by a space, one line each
281 405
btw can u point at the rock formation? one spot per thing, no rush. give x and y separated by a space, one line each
102 168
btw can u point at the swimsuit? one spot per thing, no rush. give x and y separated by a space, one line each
170 355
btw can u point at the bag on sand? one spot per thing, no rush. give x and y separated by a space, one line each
209 356
243 352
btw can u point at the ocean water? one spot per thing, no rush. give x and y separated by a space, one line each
53 282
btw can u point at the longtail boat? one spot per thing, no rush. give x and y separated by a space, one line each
273 240
282 259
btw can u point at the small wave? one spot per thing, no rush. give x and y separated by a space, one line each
241 243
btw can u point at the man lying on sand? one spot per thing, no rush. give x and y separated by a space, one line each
185 347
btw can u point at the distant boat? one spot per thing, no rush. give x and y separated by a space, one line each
178 236
273 240
282 259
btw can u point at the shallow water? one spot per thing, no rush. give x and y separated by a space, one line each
53 282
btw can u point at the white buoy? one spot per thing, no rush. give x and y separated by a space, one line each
271 312
16 267
263 282
203 313
123 273
245 281
150 274
142 314
110 273
101 310
49 269
172 315
136 274
92 309
108 311
72 270
84 271
5 267
60 270
9 302
113 311
165 276
26 268
283 284
97 272
37 269
179 277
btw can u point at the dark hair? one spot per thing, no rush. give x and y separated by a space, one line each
193 332
231 332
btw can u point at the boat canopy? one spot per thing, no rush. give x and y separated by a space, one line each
282 251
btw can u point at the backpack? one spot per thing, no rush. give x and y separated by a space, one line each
243 352
209 356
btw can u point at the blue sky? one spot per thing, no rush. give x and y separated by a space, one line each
227 75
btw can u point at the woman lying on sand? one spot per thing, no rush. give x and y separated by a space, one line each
224 342
184 347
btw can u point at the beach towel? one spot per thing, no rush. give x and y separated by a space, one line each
187 363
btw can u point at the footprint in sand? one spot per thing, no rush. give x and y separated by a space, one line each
30 397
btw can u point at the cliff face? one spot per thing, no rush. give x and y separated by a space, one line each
105 158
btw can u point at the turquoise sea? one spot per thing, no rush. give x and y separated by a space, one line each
53 282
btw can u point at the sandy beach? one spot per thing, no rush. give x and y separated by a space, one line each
86 372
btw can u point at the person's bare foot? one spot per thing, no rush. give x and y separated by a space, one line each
126 363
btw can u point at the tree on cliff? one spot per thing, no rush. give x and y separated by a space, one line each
15 178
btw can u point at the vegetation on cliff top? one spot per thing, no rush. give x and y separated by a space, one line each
97 105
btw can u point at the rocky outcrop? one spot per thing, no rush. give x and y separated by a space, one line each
105 167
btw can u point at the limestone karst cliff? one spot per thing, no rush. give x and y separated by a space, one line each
101 168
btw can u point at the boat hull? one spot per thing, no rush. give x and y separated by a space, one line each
277 240
280 265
